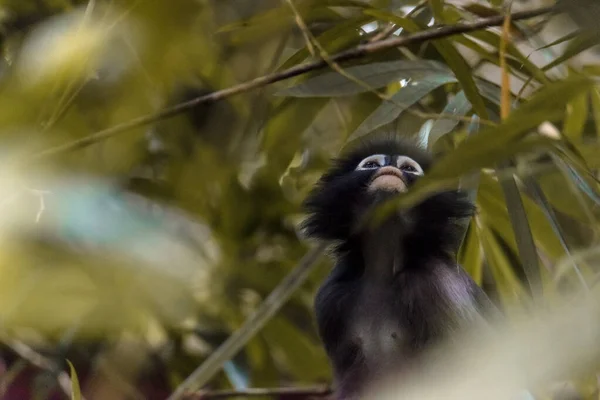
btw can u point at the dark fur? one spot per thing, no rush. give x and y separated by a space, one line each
429 298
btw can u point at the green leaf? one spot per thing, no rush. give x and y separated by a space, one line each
493 39
576 116
275 21
471 255
75 391
495 211
375 75
560 194
560 40
446 171
516 67
490 91
281 138
458 106
506 280
537 194
547 104
523 236
341 36
408 95
578 45
437 6
456 62
595 95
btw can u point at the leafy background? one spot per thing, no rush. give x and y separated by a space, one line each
136 252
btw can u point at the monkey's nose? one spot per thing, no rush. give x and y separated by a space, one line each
388 178
389 170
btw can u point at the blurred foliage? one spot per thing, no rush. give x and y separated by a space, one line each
136 256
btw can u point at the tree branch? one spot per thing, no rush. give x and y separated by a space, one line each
350 54
319 391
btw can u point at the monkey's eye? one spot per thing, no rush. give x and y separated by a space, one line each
409 165
372 162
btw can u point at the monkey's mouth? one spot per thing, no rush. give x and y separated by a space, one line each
388 178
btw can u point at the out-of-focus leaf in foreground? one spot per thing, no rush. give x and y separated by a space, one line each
534 350
76 251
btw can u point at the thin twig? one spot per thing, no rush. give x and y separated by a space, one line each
319 391
351 54
253 324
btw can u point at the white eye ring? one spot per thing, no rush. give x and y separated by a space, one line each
372 162
402 162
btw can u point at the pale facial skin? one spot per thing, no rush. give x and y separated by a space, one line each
392 171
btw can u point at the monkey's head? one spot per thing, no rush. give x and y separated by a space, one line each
368 173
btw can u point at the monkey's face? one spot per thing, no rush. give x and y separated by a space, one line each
391 173
359 179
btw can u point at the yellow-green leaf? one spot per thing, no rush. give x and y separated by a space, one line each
576 116
455 60
75 391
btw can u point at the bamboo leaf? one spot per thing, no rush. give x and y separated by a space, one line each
547 104
595 95
458 106
576 116
453 58
506 280
471 255
578 45
538 195
408 95
375 75
567 37
493 39
339 37
75 391
523 236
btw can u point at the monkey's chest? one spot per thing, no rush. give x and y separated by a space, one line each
394 322
379 328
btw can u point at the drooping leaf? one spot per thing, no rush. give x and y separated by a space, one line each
274 21
578 45
339 37
506 280
493 39
496 143
567 37
471 255
389 110
281 137
453 58
576 116
375 75
546 104
525 243
538 196
595 95
458 107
